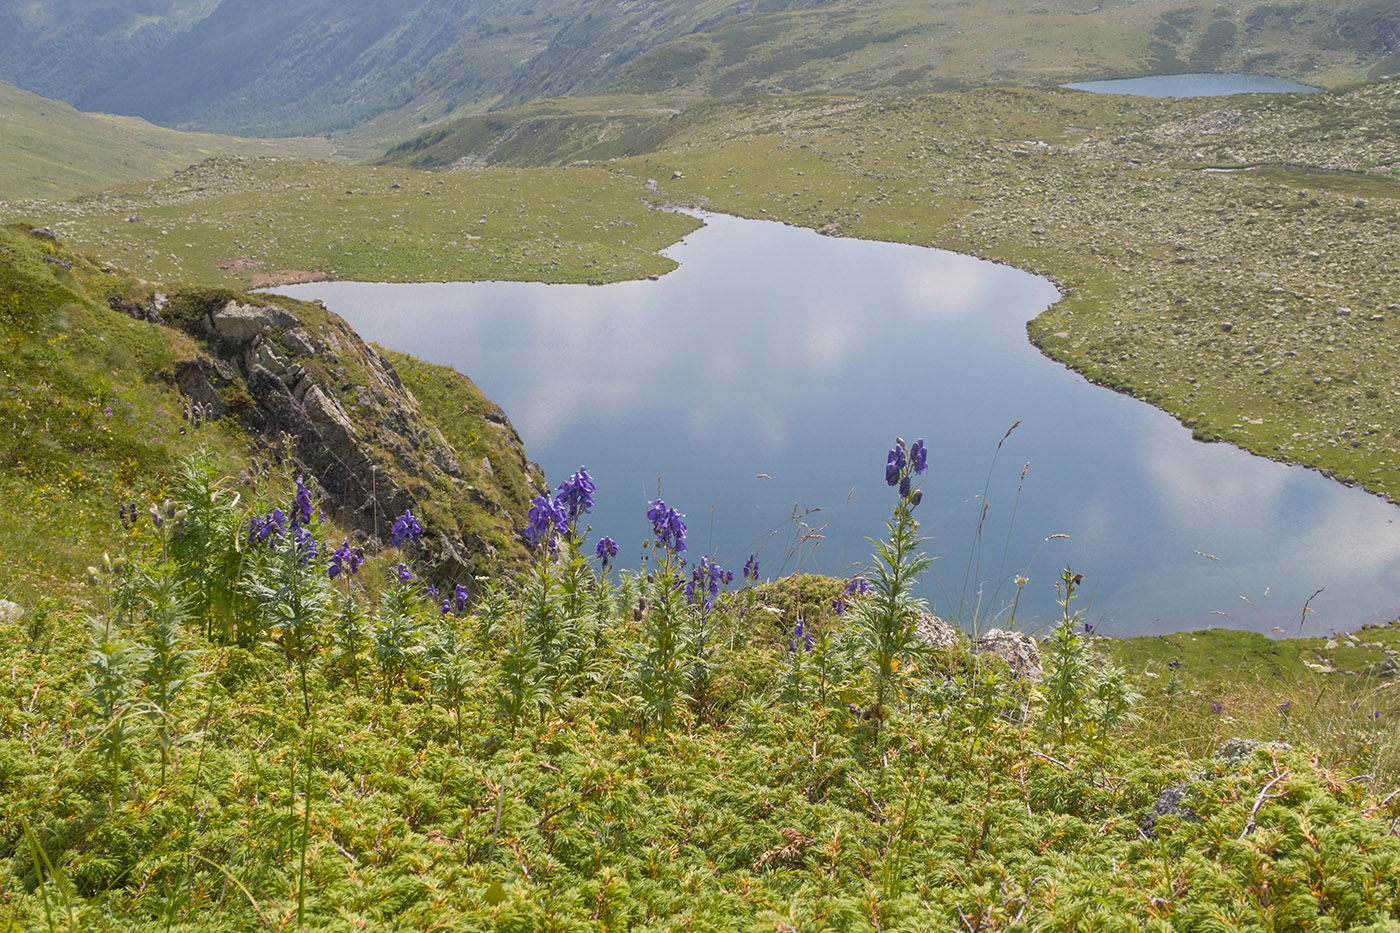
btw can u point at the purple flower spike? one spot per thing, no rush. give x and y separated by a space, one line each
459 598
606 551
547 522
576 494
751 569
706 579
801 639
407 529
305 543
404 573
301 503
894 464
668 525
918 456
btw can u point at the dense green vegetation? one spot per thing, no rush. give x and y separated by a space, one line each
229 735
264 67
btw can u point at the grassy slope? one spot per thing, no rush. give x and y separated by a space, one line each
50 150
242 222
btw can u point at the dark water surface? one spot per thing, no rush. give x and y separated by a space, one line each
1194 85
773 350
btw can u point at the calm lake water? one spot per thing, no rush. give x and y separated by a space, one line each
772 372
1194 85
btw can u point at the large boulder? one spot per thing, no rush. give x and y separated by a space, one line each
240 323
1017 649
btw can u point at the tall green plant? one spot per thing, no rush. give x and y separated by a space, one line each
886 617
660 672
207 555
1083 693
167 665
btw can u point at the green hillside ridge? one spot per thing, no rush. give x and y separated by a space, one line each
243 222
259 67
50 150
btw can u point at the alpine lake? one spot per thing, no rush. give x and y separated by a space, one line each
758 387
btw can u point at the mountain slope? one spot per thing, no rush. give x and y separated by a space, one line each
300 66
50 150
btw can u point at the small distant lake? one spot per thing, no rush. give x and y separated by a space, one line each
772 372
1194 85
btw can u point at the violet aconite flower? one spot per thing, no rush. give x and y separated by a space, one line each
546 522
706 579
404 574
894 465
918 456
606 551
801 639
305 543
576 494
301 503
345 559
668 525
407 529
459 598
751 569
262 527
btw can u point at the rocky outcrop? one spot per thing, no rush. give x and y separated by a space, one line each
1017 649
241 323
314 389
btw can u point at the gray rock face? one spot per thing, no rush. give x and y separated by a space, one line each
239 323
935 632
372 453
1016 648
298 342
200 380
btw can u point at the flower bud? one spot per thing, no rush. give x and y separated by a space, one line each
92 576
106 562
